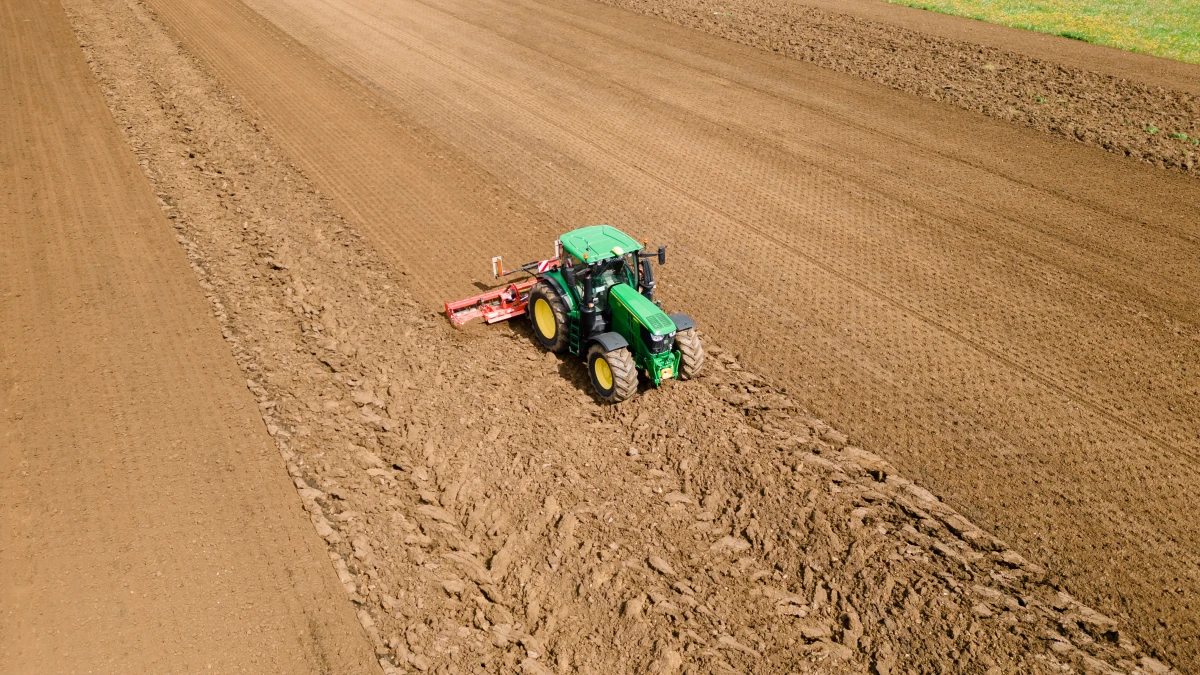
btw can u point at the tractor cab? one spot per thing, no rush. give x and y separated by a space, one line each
602 254
595 261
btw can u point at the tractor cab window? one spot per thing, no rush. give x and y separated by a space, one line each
631 269
610 272
569 260
604 275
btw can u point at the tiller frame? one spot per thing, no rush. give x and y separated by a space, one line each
502 304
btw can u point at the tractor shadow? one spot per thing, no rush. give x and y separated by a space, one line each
571 368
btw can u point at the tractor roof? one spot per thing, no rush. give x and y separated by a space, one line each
599 242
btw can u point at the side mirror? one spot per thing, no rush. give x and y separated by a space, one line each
662 255
647 279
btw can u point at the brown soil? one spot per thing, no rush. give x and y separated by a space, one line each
486 514
966 297
1006 316
146 520
1074 96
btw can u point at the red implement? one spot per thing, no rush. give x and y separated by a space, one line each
498 305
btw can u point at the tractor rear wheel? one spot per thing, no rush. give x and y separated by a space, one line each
613 374
549 317
692 352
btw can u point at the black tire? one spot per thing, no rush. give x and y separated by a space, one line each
550 328
622 379
692 352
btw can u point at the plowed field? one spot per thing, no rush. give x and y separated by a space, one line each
1005 316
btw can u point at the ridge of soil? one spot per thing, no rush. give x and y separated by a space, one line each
485 514
147 524
1069 101
1006 315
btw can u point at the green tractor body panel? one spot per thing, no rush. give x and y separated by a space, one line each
598 242
645 312
648 330
571 299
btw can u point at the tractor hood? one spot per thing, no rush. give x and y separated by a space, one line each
647 313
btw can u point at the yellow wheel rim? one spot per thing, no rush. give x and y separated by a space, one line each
603 373
544 316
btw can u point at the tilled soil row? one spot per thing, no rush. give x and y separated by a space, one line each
1152 124
484 513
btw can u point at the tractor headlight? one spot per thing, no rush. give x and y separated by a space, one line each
661 343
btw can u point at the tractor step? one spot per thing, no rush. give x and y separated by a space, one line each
501 304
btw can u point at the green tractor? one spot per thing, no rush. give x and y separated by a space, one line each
595 299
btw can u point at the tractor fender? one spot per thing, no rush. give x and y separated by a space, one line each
682 321
558 288
608 341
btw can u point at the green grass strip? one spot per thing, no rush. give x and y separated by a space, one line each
1167 28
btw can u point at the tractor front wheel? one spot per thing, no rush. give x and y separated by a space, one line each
549 317
692 353
613 374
